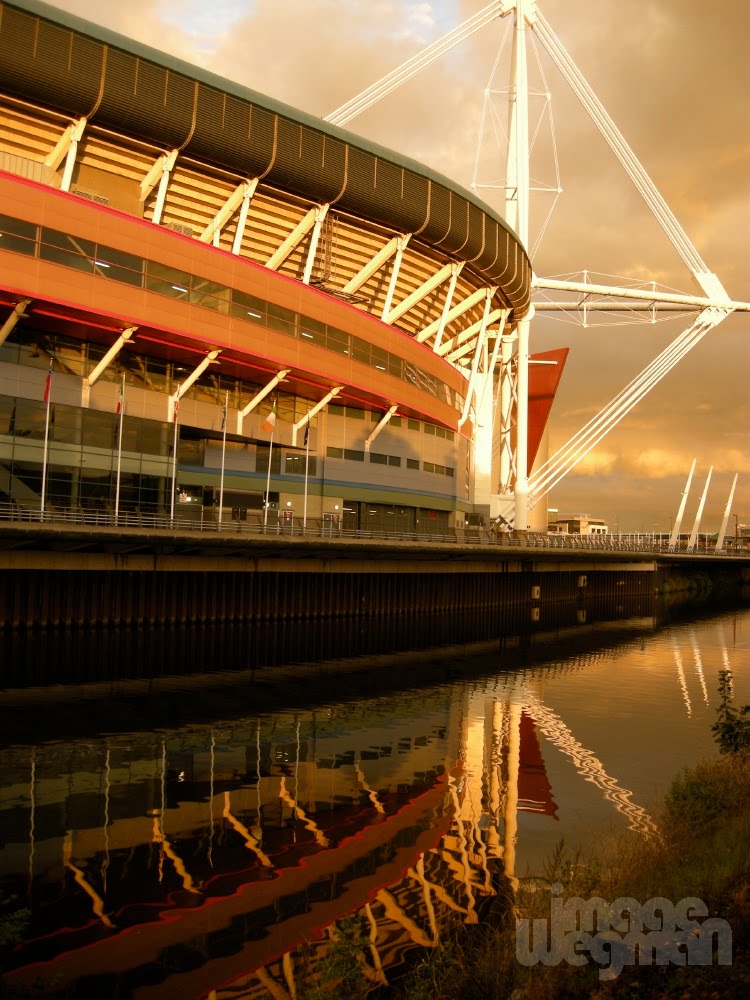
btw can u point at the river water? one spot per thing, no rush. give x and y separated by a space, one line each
183 824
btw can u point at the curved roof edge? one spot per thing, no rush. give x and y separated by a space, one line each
157 56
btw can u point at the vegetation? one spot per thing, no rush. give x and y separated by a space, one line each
703 850
732 731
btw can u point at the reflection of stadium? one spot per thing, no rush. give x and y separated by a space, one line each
232 847
226 254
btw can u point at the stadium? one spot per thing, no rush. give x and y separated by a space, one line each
218 308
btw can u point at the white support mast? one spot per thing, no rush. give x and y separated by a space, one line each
516 488
517 216
675 536
723 531
695 533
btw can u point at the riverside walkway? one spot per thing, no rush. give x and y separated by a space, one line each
82 568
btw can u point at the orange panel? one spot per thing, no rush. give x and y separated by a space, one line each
543 382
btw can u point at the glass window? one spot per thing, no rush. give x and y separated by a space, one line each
261 458
155 437
100 430
70 251
336 409
209 295
379 359
410 373
17 235
119 266
378 459
354 456
355 414
7 415
190 452
281 319
338 341
395 366
295 465
286 407
428 466
360 350
412 463
430 429
248 307
335 452
449 471
312 330
167 281
395 421
394 460
413 425
28 418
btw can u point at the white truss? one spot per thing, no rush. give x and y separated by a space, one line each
712 307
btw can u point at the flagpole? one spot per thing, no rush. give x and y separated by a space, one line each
47 398
268 477
223 454
175 411
307 461
121 407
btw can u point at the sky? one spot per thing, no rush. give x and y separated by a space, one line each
675 77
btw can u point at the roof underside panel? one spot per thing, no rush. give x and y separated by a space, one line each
232 133
76 68
49 63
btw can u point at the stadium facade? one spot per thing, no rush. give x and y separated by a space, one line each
225 257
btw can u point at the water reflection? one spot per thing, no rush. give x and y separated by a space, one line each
197 860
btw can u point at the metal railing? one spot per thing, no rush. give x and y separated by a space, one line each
104 518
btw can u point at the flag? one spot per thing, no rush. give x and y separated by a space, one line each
224 416
176 405
307 434
120 399
270 422
48 383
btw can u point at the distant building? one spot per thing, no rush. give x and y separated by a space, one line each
578 524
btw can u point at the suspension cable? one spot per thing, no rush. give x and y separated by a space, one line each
408 69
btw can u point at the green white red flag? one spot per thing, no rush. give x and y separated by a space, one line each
270 422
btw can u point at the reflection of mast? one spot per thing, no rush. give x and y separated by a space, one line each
250 841
511 791
159 837
495 763
588 766
297 810
373 939
32 816
462 867
96 899
396 913
683 685
725 662
371 793
699 665
105 863
211 802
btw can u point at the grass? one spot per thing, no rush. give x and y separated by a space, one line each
703 851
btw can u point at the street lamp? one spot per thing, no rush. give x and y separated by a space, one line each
737 527
551 510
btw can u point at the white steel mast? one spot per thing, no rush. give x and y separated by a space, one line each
517 217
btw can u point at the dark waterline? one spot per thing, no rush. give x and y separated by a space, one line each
175 832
